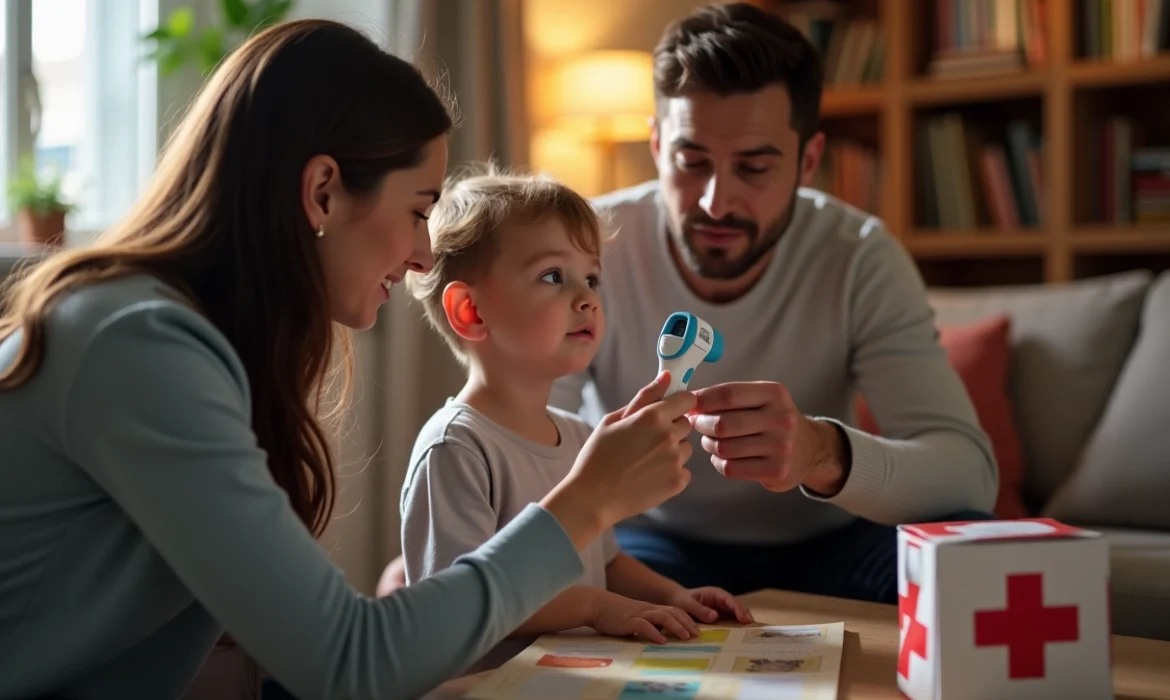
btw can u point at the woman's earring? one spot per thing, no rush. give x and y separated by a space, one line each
321 231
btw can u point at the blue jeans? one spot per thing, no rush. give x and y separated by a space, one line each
859 561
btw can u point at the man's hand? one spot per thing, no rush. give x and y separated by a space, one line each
754 432
393 577
709 603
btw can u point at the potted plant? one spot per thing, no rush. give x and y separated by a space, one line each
39 205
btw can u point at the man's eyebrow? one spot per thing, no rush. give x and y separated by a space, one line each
685 145
434 194
765 150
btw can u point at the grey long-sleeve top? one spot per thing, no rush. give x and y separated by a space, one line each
138 521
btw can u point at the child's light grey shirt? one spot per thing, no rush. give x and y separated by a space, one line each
469 476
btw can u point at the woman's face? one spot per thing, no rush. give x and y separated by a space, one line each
370 242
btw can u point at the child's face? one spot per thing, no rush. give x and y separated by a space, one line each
539 301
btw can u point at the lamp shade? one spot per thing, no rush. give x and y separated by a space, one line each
607 95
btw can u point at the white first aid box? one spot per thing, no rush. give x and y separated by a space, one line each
1003 610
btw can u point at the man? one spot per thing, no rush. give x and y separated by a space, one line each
815 301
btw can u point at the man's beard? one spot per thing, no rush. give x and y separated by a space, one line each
714 263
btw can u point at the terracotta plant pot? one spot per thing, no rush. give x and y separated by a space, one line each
42 230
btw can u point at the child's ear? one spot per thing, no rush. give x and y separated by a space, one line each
462 315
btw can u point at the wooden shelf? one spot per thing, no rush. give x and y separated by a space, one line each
925 92
852 101
1121 239
944 244
1064 102
1119 73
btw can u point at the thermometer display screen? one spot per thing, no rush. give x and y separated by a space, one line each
679 328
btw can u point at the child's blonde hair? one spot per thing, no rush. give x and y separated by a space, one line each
475 203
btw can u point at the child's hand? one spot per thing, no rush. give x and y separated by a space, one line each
619 616
707 603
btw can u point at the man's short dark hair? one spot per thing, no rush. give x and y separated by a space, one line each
737 48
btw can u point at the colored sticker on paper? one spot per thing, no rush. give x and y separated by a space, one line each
765 664
665 690
775 688
782 634
679 664
706 636
554 661
680 649
588 648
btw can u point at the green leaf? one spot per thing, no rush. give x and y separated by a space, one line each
177 40
266 13
172 58
236 12
181 21
211 50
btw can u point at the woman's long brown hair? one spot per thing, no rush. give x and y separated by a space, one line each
222 221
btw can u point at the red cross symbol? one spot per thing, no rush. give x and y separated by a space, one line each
1026 626
915 639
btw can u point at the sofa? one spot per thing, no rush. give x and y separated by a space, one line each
1088 389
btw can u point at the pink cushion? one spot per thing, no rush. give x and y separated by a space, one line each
979 352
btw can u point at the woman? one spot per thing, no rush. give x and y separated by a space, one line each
164 472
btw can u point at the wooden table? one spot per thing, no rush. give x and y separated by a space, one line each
1141 668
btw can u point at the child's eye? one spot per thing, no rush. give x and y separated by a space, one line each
553 277
593 281
419 217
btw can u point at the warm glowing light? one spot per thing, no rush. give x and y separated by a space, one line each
607 96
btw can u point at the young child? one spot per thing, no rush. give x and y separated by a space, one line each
514 293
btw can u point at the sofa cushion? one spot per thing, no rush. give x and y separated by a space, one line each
1139 581
1123 478
1068 345
979 352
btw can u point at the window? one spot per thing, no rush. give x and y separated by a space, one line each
78 101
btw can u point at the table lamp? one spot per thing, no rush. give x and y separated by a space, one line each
607 98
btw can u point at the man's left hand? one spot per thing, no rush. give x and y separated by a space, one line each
755 432
709 603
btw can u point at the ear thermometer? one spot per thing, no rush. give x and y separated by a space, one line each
686 342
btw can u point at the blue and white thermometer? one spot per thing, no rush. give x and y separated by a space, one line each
686 342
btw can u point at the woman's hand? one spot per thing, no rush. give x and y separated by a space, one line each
634 461
619 616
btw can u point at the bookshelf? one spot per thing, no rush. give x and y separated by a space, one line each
1003 141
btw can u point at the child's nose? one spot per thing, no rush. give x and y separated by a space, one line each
587 301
